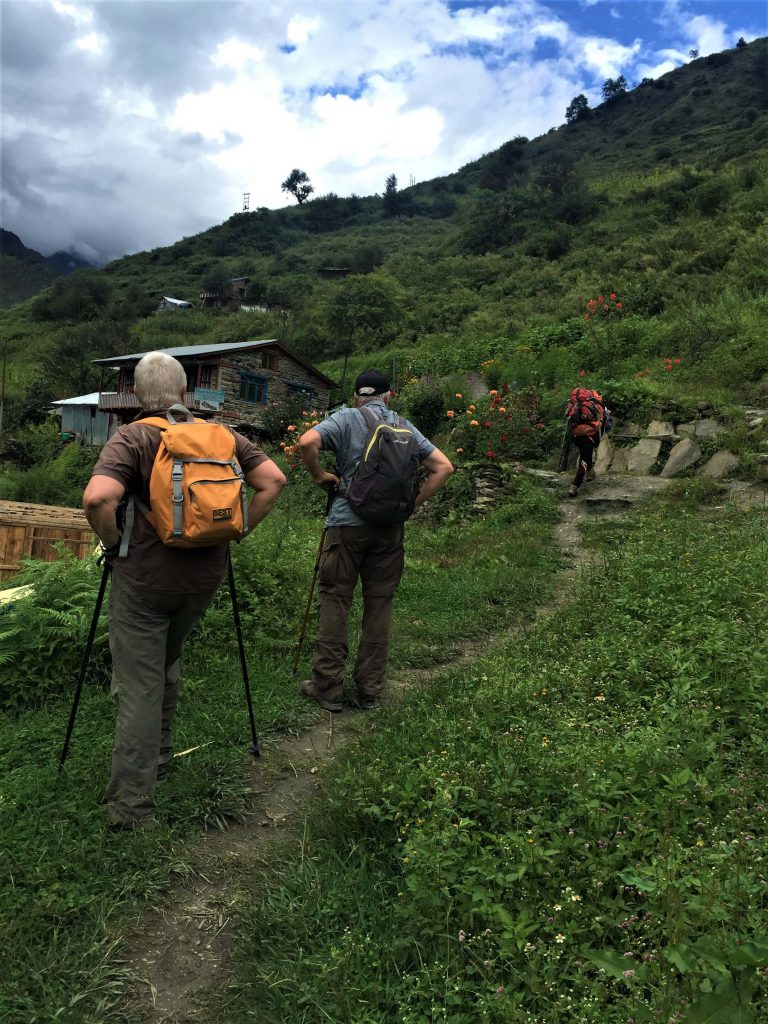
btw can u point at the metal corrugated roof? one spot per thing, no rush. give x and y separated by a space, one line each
92 399
187 350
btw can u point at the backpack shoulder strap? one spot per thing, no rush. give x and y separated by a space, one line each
371 421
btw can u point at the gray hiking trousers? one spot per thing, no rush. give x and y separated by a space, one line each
147 630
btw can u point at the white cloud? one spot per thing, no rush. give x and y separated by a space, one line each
129 125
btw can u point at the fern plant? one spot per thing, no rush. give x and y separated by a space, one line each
43 634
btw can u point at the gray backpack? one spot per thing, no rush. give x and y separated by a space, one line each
384 485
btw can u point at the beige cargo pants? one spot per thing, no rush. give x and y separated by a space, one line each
374 555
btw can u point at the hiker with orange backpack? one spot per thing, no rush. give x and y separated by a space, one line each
184 481
588 419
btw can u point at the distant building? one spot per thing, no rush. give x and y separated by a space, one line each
167 303
232 300
82 418
234 382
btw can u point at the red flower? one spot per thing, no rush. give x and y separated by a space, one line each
599 298
582 373
539 426
618 305
491 455
487 423
677 362
612 295
503 437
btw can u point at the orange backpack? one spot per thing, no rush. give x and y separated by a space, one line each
197 489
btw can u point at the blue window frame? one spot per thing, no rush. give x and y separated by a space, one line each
253 388
303 390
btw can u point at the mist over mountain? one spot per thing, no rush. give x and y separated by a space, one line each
24 271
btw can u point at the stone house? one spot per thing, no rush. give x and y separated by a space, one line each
232 300
236 383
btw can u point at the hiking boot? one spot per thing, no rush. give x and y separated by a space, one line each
573 491
309 691
163 771
146 824
367 703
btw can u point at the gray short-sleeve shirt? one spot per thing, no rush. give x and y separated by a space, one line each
344 433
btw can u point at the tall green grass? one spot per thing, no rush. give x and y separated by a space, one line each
66 884
572 830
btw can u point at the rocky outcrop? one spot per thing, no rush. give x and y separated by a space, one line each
643 456
685 454
720 465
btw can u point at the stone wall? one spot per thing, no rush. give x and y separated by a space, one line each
236 410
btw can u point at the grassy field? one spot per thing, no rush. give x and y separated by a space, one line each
66 883
571 831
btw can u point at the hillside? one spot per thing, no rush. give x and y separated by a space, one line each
658 196
24 272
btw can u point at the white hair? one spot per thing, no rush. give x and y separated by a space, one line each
365 399
159 381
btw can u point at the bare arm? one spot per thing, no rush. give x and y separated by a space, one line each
439 469
101 497
311 442
267 481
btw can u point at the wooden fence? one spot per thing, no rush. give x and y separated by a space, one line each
34 529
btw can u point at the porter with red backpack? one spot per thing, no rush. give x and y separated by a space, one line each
588 419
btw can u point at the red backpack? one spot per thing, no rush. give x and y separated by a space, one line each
585 409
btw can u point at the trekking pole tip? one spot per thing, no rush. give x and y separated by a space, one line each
256 748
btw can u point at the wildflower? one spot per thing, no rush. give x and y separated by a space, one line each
529 947
471 408
487 423
474 423
499 990
699 842
582 373
457 395
539 426
618 305
450 414
503 437
493 392
290 428
575 898
612 296
556 906
629 974
502 409
459 451
491 455
600 697
677 362
462 936
560 939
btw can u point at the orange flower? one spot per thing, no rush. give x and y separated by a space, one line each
459 451
290 428
458 395
493 392
502 409
450 414
471 408
474 423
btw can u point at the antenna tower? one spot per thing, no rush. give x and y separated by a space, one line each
412 180
246 201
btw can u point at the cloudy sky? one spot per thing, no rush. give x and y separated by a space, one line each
127 124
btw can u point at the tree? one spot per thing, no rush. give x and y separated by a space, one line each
693 54
216 280
577 109
614 87
391 197
298 184
741 43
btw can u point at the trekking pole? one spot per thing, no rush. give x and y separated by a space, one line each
84 666
565 448
300 644
255 745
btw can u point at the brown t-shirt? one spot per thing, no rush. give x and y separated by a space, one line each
128 457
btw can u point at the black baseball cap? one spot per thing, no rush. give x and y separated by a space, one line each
371 382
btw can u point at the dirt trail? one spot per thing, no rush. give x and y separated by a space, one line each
182 948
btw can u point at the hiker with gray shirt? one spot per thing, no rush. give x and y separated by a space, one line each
355 548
